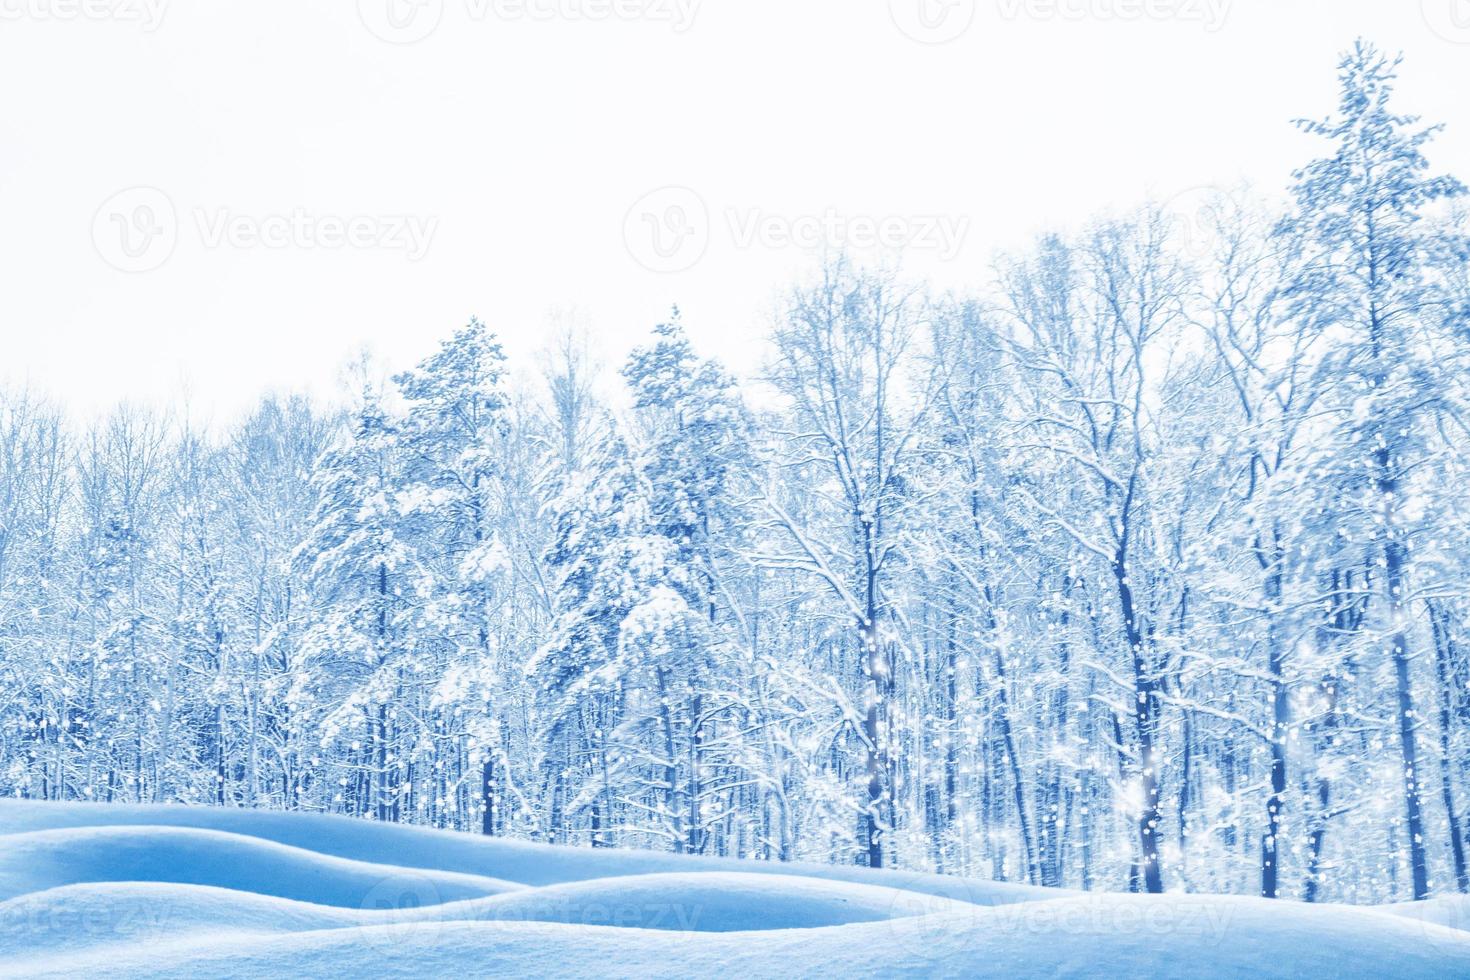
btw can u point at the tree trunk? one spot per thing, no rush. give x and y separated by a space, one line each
1145 718
487 797
1008 740
879 687
1280 723
1393 564
1444 655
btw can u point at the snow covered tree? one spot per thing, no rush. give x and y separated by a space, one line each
600 528
267 478
1361 212
844 360
1090 336
448 501
361 572
694 451
1142 565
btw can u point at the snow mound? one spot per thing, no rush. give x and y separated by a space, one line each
48 858
75 918
710 901
1451 911
507 860
174 891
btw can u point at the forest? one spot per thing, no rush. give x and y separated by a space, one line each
1144 565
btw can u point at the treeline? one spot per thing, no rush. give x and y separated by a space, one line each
1145 567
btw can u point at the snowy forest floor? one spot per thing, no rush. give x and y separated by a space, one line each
134 891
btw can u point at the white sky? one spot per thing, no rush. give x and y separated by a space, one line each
525 141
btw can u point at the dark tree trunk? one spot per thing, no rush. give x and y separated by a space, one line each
1008 740
1444 658
1393 568
1145 718
879 688
694 832
487 797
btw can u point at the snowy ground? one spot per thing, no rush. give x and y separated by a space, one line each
175 891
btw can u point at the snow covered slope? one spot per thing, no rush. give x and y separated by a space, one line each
176 891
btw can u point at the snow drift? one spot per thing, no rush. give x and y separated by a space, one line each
180 891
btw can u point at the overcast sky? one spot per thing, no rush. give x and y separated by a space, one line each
224 196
